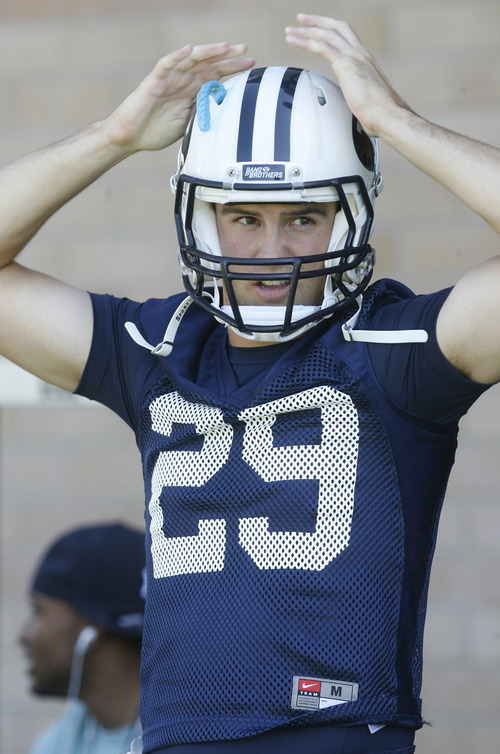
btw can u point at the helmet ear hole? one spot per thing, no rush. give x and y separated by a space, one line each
363 145
321 96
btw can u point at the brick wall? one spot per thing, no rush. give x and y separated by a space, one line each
64 64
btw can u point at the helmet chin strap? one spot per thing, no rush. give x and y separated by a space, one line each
270 315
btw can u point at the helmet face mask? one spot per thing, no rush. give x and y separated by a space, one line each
276 135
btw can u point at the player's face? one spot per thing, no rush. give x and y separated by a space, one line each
260 231
48 637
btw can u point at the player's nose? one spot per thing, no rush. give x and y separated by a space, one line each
24 634
274 243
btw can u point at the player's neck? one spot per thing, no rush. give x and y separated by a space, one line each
110 690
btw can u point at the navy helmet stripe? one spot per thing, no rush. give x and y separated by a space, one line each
247 116
284 114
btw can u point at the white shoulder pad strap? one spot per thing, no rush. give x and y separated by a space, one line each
165 347
380 336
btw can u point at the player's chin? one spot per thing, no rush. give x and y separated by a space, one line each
42 686
32 677
39 689
47 691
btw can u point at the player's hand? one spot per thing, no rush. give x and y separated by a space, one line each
368 93
156 113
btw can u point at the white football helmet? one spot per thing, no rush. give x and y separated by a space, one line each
275 135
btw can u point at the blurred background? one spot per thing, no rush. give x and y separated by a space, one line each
65 461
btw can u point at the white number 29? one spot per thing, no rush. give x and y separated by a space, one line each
332 463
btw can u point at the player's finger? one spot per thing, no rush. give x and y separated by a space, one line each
333 24
174 58
322 43
203 56
228 67
193 58
330 31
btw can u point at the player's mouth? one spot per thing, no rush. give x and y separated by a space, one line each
30 665
272 290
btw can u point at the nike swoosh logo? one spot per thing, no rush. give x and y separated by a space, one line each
308 685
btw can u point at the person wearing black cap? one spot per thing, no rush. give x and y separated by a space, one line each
83 638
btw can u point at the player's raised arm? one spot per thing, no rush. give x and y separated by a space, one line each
45 325
468 327
455 161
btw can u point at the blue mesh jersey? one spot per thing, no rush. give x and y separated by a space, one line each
291 520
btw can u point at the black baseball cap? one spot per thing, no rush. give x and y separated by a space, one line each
101 571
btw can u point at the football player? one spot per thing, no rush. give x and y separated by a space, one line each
297 422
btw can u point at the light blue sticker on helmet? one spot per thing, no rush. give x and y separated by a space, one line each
210 88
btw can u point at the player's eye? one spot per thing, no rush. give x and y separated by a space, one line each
302 221
247 220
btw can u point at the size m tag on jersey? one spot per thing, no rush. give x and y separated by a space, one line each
319 693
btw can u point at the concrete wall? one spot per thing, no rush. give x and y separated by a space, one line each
64 64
